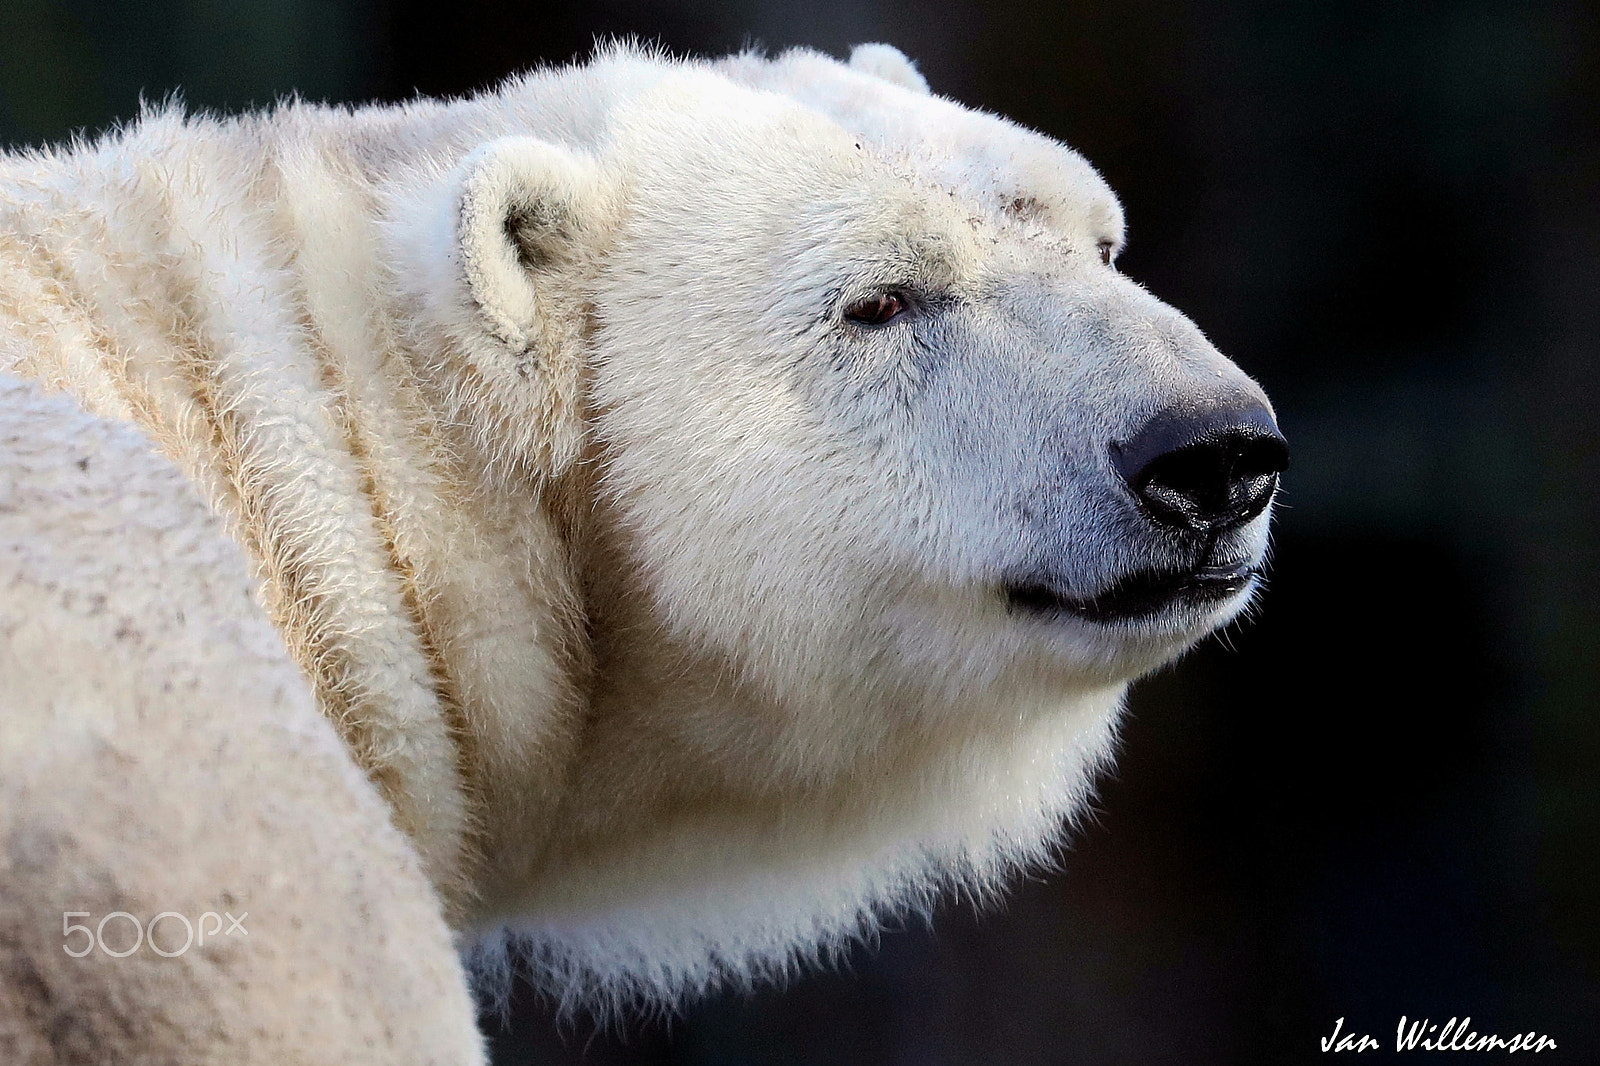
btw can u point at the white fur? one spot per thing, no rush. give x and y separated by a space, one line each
889 63
656 596
163 754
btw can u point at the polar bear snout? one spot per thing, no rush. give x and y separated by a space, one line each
1163 526
1204 469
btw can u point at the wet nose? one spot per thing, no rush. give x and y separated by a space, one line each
1204 468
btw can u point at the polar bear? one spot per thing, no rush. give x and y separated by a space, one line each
647 521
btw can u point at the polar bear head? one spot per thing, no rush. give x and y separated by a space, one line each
878 408
888 482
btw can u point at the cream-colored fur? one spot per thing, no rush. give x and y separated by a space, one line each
163 754
654 595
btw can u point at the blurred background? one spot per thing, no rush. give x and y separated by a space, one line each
1382 795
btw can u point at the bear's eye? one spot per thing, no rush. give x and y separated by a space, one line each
876 310
1106 248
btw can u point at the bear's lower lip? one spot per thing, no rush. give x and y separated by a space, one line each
1138 596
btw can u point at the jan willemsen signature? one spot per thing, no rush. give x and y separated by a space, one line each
1422 1034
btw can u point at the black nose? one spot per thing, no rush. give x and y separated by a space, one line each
1204 469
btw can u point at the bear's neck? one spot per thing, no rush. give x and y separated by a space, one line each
681 774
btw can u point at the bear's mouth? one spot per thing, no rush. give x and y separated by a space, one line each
1138 596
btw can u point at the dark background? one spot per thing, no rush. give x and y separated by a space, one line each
1380 797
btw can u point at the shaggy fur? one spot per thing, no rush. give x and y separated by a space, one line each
656 595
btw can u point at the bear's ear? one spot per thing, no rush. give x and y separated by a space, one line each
889 63
530 213
494 264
